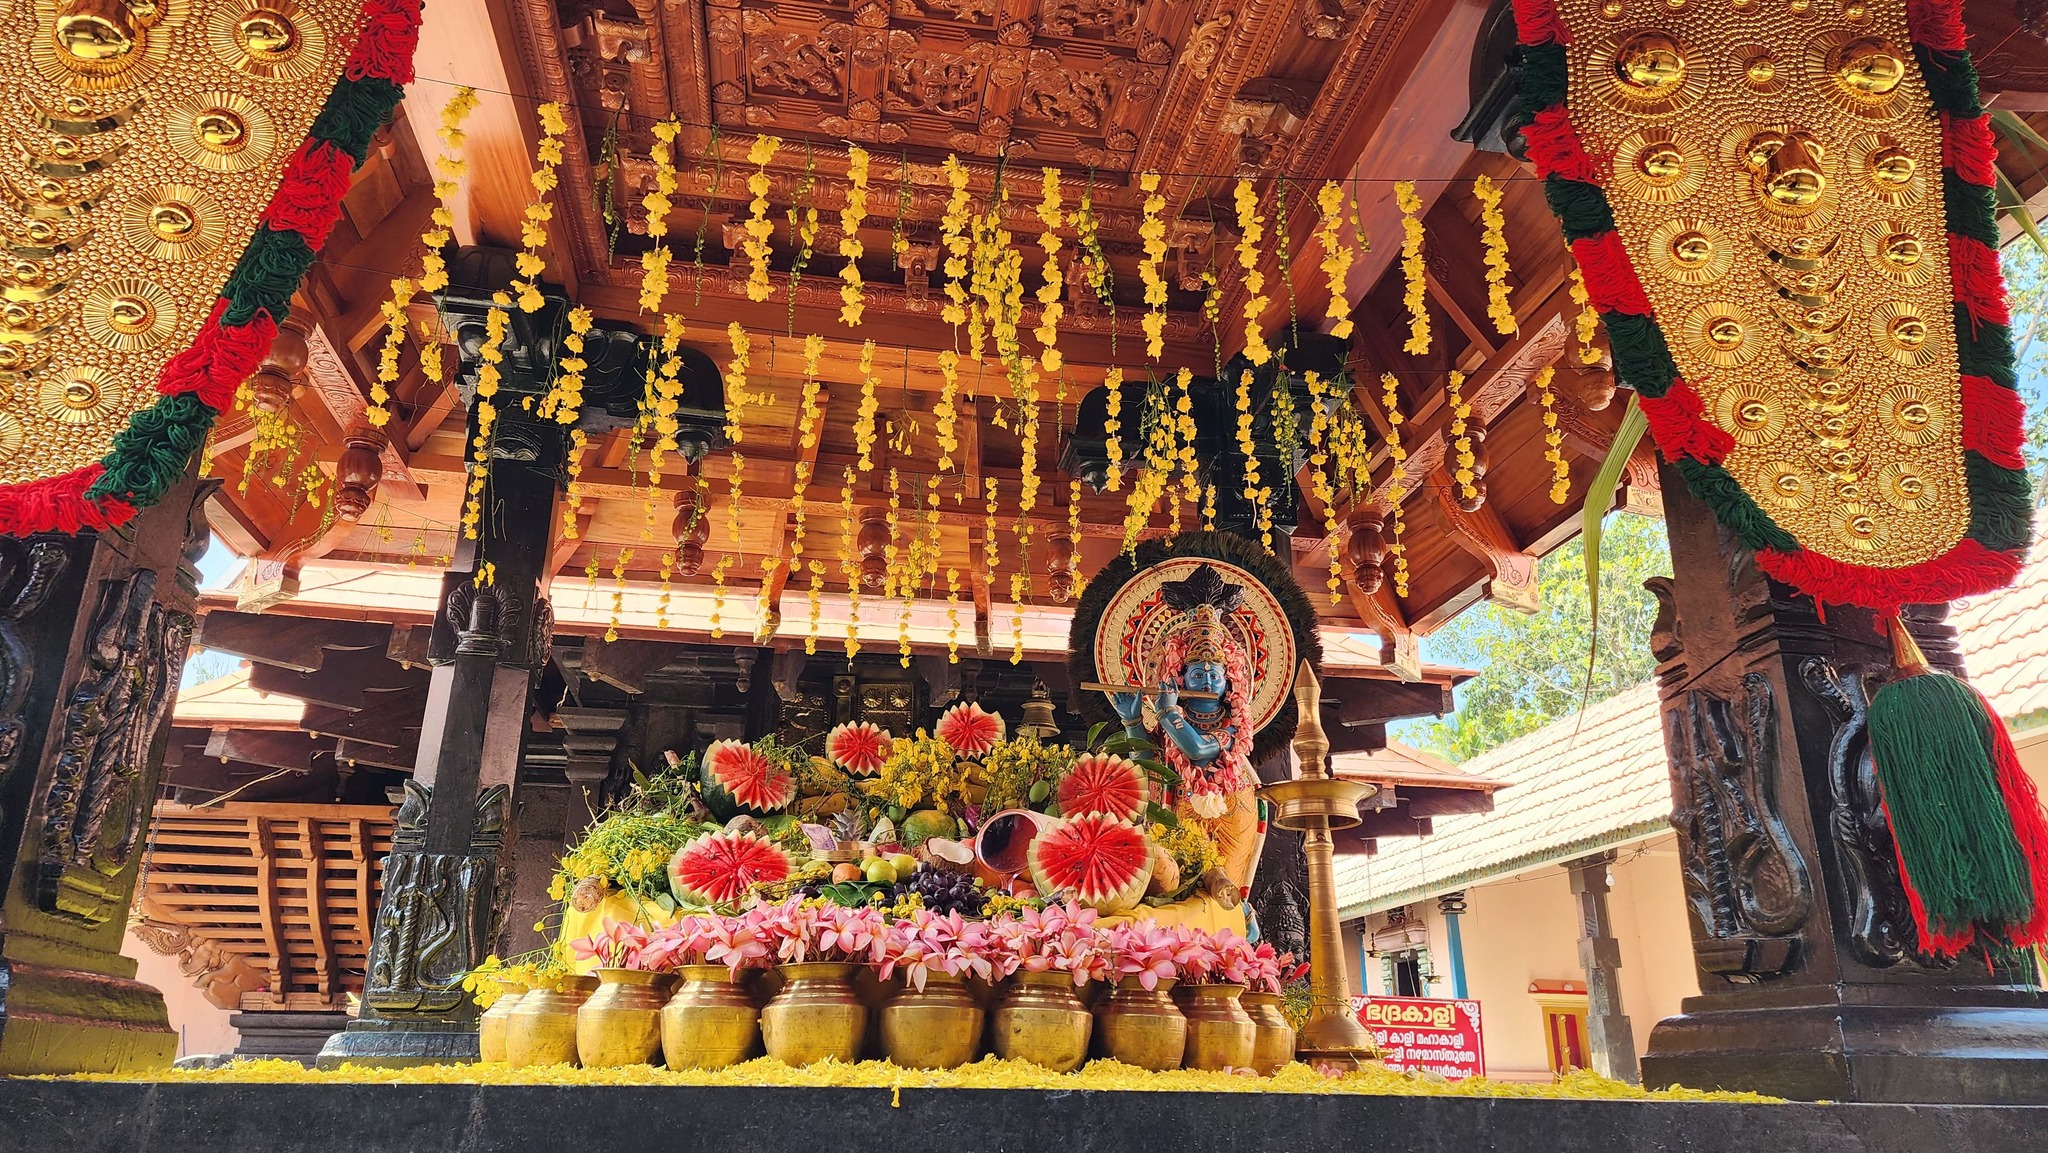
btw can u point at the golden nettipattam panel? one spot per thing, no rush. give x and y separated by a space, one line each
143 140
1777 181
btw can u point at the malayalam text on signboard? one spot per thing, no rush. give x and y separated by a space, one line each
1425 1034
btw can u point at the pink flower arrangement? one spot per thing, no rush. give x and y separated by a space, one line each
616 945
1056 938
805 930
1144 950
926 942
1267 970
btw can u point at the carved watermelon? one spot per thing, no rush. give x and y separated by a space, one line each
859 747
969 729
737 779
722 868
1094 860
1103 783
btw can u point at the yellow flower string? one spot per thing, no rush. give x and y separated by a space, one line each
1112 424
564 400
1319 479
1152 230
1153 477
655 261
759 228
572 499
1416 293
1247 446
1494 235
807 436
1208 508
490 355
850 218
1553 438
619 563
736 381
894 578
952 616
815 596
732 536
946 413
990 547
1251 229
1397 482
847 569
1184 440
1466 472
533 229
864 421
667 386
393 310
954 234
1337 257
1017 592
1052 293
1587 323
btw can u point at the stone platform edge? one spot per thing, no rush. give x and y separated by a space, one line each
132 1117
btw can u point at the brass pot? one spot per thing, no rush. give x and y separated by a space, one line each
1141 1027
490 1028
1221 1034
541 1029
621 1023
1273 1044
815 1016
711 1022
936 1027
1042 1021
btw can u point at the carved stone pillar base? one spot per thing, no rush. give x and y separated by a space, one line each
1974 1052
396 1044
1812 981
93 630
293 1036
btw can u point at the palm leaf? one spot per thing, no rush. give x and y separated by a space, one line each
2011 202
1599 499
2011 125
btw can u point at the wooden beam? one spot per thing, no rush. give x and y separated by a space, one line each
1512 573
296 643
270 748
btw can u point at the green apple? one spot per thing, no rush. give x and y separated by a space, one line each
879 871
904 864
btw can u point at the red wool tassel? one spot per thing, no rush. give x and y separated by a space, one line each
219 359
2029 824
1968 146
1611 281
1937 24
391 33
1678 424
1556 150
1965 570
59 504
1976 282
1537 22
1994 421
308 199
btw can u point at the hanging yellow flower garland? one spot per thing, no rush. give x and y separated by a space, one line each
1247 446
1337 257
736 381
850 218
1112 424
847 569
1466 473
533 229
759 228
1493 234
1052 293
1587 323
1415 295
1251 229
572 498
1152 230
393 309
953 233
1184 443
490 355
864 420
1319 479
1397 483
563 402
654 262
952 616
1553 438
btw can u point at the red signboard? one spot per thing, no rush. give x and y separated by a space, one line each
1425 1034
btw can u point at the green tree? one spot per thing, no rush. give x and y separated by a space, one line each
1532 668
2026 281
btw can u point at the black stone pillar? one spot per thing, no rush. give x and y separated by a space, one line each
93 633
1812 983
1612 1038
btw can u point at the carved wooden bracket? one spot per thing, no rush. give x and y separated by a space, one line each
1483 534
691 527
1192 244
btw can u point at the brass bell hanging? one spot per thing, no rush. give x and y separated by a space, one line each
1038 715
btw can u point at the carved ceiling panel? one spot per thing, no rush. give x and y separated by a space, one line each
1072 81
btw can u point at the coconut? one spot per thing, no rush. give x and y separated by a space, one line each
946 854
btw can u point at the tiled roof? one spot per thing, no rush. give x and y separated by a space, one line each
229 702
2005 638
1402 765
1610 785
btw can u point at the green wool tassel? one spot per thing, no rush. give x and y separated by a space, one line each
1934 747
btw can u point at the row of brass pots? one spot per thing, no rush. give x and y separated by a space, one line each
824 1009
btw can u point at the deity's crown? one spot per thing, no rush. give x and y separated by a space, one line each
1206 634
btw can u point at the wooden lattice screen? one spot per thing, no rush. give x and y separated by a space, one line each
268 906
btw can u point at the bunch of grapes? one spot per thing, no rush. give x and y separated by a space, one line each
948 892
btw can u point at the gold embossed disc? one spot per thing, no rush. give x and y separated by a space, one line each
174 222
79 395
267 39
129 314
101 45
221 131
11 436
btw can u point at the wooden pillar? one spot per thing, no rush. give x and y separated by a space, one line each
1811 981
1608 1030
94 629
